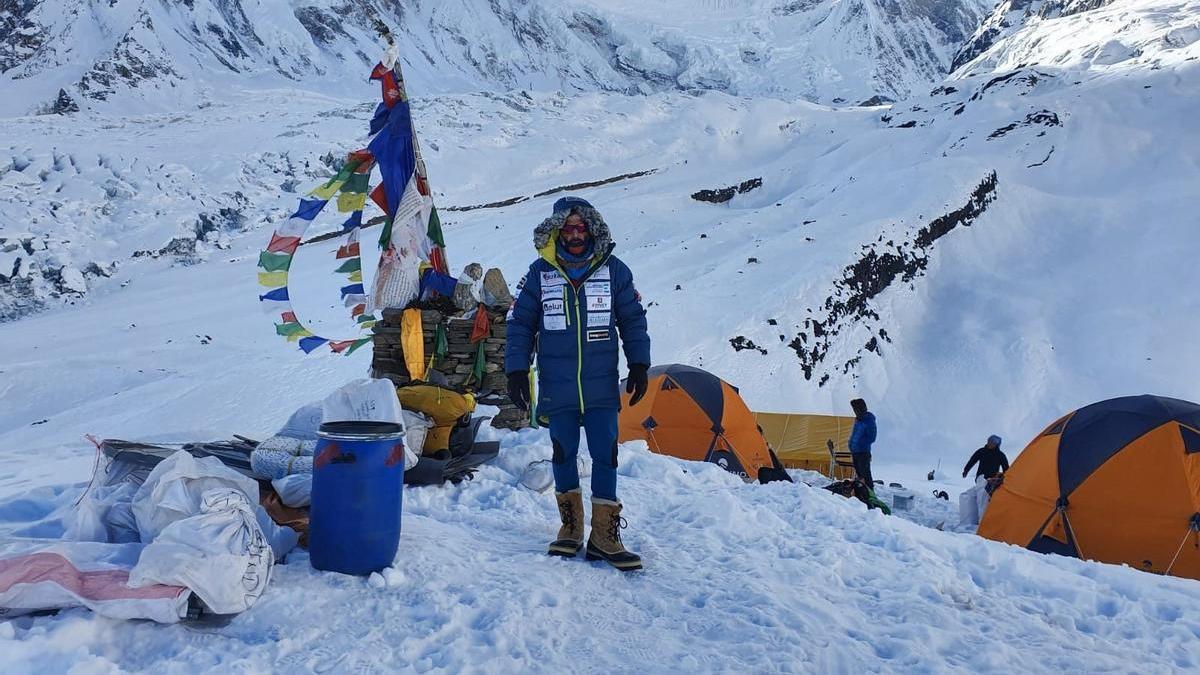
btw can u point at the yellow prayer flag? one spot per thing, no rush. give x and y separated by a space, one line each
273 279
328 190
351 201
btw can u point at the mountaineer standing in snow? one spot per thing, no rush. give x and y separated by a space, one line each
861 438
992 465
570 306
991 459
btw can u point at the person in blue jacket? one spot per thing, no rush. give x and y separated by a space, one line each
571 307
861 438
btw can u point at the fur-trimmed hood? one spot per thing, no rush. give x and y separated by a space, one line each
545 233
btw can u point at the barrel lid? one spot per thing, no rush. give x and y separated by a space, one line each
361 430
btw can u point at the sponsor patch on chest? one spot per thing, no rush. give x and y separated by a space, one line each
552 278
556 306
598 288
554 322
595 335
599 303
597 319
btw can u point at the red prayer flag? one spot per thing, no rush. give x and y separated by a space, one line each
482 327
438 259
422 186
340 346
363 159
289 317
357 311
280 244
391 90
379 196
348 251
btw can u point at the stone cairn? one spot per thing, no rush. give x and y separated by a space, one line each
459 362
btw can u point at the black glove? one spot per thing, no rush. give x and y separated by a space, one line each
636 382
518 388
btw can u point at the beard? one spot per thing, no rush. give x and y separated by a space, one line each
576 246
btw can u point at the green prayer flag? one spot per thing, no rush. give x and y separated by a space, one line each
357 343
385 236
351 265
435 229
441 345
274 262
480 365
288 329
357 183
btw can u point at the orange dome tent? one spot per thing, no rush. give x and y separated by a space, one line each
1117 481
692 414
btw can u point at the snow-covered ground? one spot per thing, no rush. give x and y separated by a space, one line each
1063 281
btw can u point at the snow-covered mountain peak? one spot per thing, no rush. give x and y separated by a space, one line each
161 54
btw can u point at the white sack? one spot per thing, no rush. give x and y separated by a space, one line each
365 400
221 553
981 496
294 490
202 522
175 488
304 423
968 508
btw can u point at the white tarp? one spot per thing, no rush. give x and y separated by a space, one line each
200 529
38 575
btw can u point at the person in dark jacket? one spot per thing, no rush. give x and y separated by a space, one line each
572 305
862 436
991 460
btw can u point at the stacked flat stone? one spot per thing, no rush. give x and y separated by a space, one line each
456 366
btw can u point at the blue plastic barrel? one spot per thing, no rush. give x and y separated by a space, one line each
358 481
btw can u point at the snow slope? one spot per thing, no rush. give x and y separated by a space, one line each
739 577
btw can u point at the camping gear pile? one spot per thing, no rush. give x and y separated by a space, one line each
692 414
857 488
1113 481
179 539
170 531
463 350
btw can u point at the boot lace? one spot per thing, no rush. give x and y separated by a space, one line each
568 515
615 525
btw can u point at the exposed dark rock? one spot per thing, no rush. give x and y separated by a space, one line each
130 64
490 205
63 105
722 195
876 100
742 342
595 183
1041 117
880 266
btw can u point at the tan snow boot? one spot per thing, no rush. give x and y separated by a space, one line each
570 535
605 540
